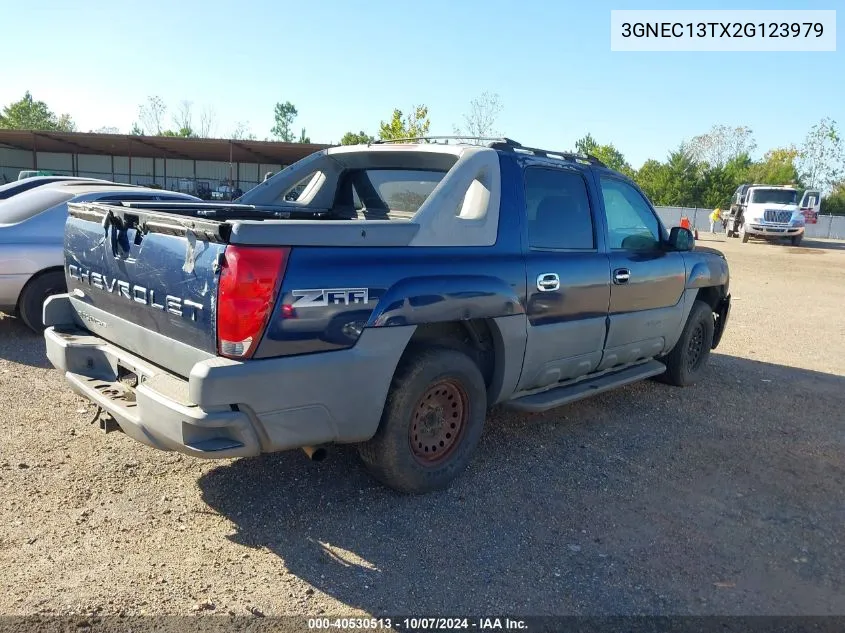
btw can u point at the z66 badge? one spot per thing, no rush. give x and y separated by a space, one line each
330 297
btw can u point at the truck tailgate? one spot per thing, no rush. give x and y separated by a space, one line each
149 291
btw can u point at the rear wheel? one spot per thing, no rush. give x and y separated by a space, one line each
431 424
686 362
35 293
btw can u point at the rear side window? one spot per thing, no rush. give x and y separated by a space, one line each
30 203
558 209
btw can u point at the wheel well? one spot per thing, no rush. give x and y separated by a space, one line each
472 337
710 296
38 275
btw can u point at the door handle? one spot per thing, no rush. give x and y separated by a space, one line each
621 275
548 282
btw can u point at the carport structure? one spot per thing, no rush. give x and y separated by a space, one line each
146 159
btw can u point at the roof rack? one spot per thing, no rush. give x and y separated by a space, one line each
508 144
499 139
501 143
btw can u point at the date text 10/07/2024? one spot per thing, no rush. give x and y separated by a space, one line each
418 624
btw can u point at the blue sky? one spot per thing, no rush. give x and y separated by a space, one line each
346 65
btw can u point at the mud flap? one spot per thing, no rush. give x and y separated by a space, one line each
723 311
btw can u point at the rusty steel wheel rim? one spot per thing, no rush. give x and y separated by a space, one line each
438 422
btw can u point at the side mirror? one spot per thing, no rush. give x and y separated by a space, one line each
681 239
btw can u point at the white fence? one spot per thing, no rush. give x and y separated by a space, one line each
828 226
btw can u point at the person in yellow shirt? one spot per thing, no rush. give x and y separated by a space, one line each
715 216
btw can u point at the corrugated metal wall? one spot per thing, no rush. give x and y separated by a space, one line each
143 171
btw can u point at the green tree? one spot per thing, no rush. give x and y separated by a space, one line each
185 132
29 114
737 168
361 138
285 114
608 154
834 202
653 178
683 184
777 168
717 187
303 138
586 144
415 125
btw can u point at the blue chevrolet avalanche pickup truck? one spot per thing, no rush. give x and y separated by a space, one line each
407 289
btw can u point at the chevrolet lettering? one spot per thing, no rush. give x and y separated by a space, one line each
133 292
413 287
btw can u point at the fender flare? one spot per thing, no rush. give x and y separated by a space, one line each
702 275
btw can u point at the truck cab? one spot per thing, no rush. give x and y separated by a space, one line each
765 211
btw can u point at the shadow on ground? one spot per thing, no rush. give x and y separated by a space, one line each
808 245
829 245
21 345
723 498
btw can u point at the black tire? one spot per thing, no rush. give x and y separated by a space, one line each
796 240
35 293
743 234
456 384
686 362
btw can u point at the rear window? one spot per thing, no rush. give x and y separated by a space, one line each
396 191
30 203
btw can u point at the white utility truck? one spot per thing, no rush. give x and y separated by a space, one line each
769 212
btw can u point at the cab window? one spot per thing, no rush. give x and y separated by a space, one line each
631 224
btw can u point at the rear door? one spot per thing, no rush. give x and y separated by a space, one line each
647 281
568 285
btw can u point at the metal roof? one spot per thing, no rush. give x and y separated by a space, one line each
224 150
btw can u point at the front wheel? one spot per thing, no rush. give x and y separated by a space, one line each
743 234
686 362
431 424
796 240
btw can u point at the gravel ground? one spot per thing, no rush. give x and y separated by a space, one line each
723 498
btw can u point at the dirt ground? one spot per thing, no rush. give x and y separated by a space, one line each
723 498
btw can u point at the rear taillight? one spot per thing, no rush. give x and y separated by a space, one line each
249 282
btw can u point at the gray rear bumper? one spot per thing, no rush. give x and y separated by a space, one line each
229 408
